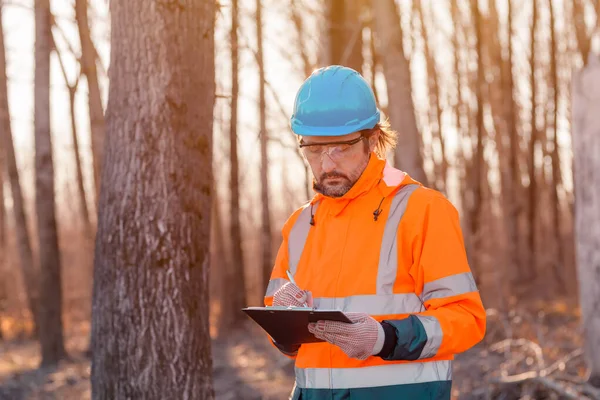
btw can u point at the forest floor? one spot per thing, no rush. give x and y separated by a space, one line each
247 367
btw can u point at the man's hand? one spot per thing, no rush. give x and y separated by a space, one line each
291 295
361 339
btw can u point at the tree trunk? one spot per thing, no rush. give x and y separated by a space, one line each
296 18
307 68
72 88
150 331
51 329
221 268
586 147
237 288
85 214
345 33
267 236
512 207
3 248
28 269
401 108
88 67
435 102
479 170
460 106
532 170
558 264
374 60
583 39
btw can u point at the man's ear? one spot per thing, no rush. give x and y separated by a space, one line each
373 140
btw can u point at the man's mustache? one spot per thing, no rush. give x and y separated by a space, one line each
332 174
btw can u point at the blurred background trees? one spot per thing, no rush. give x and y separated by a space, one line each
480 91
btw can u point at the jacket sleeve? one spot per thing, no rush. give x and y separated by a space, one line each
279 278
454 317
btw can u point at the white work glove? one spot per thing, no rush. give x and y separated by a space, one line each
291 295
363 338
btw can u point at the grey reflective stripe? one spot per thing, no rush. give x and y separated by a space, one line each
388 255
403 303
379 375
298 236
449 286
275 285
434 335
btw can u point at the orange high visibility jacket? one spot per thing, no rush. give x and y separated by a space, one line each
394 249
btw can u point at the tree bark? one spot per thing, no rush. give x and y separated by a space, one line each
267 236
296 18
374 60
408 156
586 147
479 170
441 166
221 265
72 88
558 264
28 269
583 39
307 67
513 188
460 103
236 289
51 328
345 33
150 330
530 271
3 248
88 67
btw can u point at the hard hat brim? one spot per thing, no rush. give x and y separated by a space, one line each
303 130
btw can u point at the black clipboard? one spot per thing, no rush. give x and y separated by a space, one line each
289 325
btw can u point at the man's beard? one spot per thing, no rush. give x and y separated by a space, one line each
344 184
337 190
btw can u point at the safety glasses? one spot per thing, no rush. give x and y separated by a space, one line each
335 150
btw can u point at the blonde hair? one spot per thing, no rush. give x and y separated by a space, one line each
387 137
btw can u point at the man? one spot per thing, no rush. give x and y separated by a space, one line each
378 245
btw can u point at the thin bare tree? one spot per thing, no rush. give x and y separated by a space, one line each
50 310
558 263
408 156
512 190
28 268
584 41
267 236
88 68
478 165
236 289
344 38
72 89
150 327
530 271
307 68
3 247
435 101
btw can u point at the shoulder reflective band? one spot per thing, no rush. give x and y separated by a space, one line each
298 236
388 255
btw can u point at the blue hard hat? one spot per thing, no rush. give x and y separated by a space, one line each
334 101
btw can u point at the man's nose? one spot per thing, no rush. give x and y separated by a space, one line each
327 163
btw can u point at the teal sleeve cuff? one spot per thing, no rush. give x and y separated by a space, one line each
410 339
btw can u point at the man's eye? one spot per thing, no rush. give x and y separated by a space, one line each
344 147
